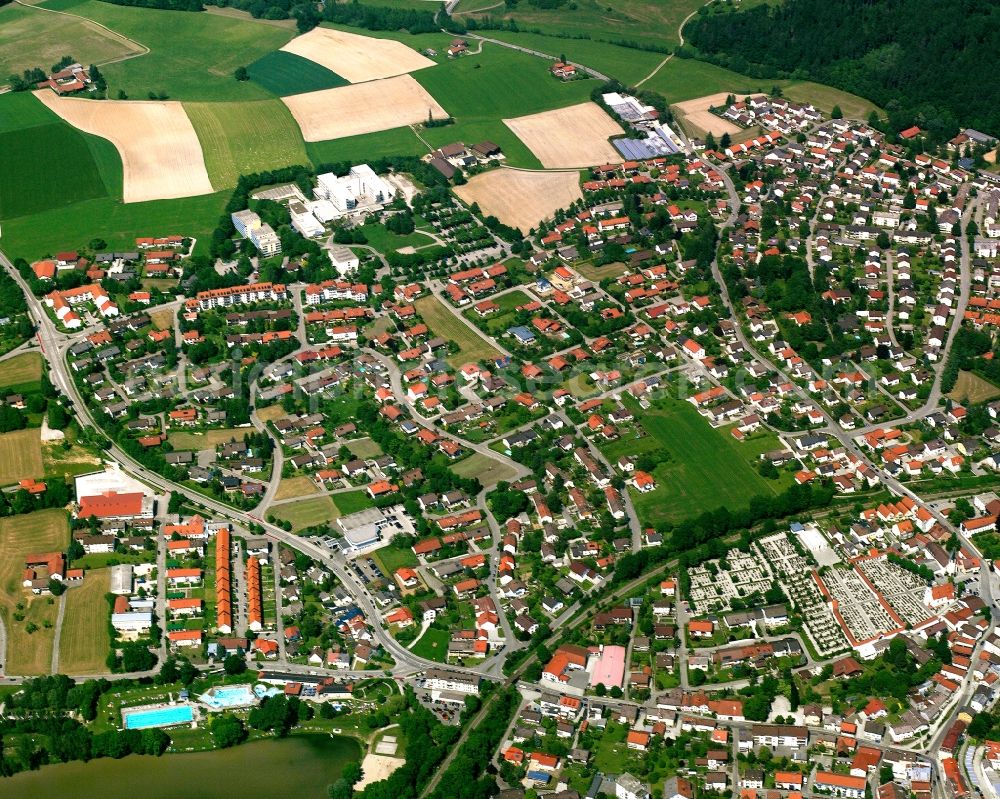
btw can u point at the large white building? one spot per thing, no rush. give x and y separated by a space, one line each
343 259
249 225
359 190
303 220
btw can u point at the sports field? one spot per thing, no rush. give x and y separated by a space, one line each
35 37
240 138
442 322
575 136
20 455
521 199
31 135
306 512
287 73
84 640
192 56
43 531
21 374
704 468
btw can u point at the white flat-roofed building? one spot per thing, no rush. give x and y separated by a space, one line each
444 680
132 622
343 259
122 579
359 190
303 220
249 225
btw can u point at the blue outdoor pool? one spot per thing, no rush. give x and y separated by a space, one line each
159 717
223 696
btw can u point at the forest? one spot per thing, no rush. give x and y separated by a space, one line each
919 59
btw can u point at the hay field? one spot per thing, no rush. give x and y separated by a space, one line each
160 151
238 138
354 57
362 108
306 512
972 388
291 487
521 199
472 347
84 641
20 455
208 439
21 373
43 531
576 136
697 119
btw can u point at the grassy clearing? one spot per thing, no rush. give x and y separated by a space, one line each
290 487
34 37
287 73
487 470
432 645
703 469
307 512
84 641
364 448
397 141
386 241
209 439
685 79
58 462
22 373
394 557
973 389
44 531
598 273
118 224
192 56
20 455
826 97
239 138
472 346
270 413
162 319
352 501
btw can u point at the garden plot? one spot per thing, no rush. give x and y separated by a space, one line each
354 57
362 108
160 152
576 136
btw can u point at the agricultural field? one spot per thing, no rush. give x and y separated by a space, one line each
545 134
685 79
698 120
284 73
442 322
21 374
487 470
36 37
238 138
43 531
202 69
521 199
704 468
307 512
367 146
351 502
206 440
84 641
648 22
971 388
356 57
291 487
31 135
826 97
20 455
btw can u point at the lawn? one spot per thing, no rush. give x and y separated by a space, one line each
973 389
352 501
193 56
472 346
487 470
396 141
826 97
34 236
432 645
705 468
648 22
287 73
364 448
84 640
291 487
43 531
394 557
20 455
35 37
208 439
22 373
306 513
72 172
239 138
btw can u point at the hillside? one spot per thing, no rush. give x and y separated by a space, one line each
916 58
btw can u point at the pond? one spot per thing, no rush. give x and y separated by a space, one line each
302 766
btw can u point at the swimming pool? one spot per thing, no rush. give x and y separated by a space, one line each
158 717
222 696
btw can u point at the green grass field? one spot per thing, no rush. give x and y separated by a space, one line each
238 138
397 141
432 645
192 56
706 468
386 241
442 322
352 501
826 97
84 641
20 456
645 21
78 166
487 470
394 557
306 512
685 79
287 73
21 374
36 37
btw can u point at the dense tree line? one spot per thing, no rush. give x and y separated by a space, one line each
915 58
381 18
967 349
165 5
